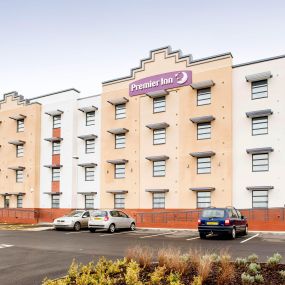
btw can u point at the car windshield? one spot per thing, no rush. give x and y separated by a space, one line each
213 213
99 214
75 214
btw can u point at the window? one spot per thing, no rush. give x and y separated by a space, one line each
19 201
259 89
120 141
259 199
204 96
56 121
6 201
55 148
159 168
119 201
159 104
90 146
89 202
20 126
203 199
203 165
159 136
55 174
90 118
55 201
89 173
158 200
260 162
120 111
19 176
203 131
120 170
260 126
19 150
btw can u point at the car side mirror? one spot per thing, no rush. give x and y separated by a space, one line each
243 217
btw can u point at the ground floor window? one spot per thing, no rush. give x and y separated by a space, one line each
6 202
20 201
55 201
203 199
119 201
260 199
89 202
158 200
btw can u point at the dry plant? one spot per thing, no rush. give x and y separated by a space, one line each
141 254
227 272
172 259
204 267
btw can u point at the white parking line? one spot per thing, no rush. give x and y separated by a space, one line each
193 238
69 233
162 234
109 234
249 238
5 245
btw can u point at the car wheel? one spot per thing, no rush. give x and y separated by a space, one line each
245 231
133 227
77 226
92 230
233 233
112 228
202 235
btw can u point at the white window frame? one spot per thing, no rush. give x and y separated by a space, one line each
119 201
120 171
204 96
204 131
203 199
260 162
120 141
120 111
159 104
204 165
158 200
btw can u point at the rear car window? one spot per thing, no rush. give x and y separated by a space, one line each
99 214
213 213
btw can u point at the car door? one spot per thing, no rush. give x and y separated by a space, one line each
237 223
242 221
116 219
124 220
85 219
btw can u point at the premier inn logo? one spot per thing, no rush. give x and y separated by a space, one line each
161 81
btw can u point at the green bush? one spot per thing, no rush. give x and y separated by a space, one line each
157 275
241 261
274 260
174 279
258 278
132 274
252 258
253 268
282 273
247 279
197 280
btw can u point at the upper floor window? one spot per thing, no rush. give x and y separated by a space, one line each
89 173
119 201
159 168
203 165
158 200
159 136
120 141
159 104
204 96
259 89
20 126
55 199
120 111
19 176
56 121
55 148
260 162
203 131
203 199
260 199
120 170
259 126
90 118
20 150
56 174
19 201
90 146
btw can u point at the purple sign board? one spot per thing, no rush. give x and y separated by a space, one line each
162 81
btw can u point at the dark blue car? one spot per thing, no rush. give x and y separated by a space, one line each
222 221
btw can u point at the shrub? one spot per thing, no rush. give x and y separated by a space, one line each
227 272
246 279
73 269
132 273
174 279
241 261
253 268
258 278
274 260
252 258
142 255
282 274
197 280
157 275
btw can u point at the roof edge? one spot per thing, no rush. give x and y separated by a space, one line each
259 60
54 93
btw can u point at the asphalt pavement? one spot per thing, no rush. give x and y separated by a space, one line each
27 257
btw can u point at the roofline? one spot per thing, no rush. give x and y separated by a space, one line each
91 96
170 51
54 93
259 60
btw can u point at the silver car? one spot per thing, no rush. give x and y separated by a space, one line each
75 220
110 220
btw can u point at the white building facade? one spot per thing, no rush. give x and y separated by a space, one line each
259 134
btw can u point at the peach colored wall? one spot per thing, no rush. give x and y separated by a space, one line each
11 106
180 136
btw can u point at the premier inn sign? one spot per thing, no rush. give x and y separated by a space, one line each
162 81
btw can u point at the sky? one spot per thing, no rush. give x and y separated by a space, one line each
52 45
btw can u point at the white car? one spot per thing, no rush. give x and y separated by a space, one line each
76 220
110 220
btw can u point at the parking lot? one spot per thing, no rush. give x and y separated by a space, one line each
28 256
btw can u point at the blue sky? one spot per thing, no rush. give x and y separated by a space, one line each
51 45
